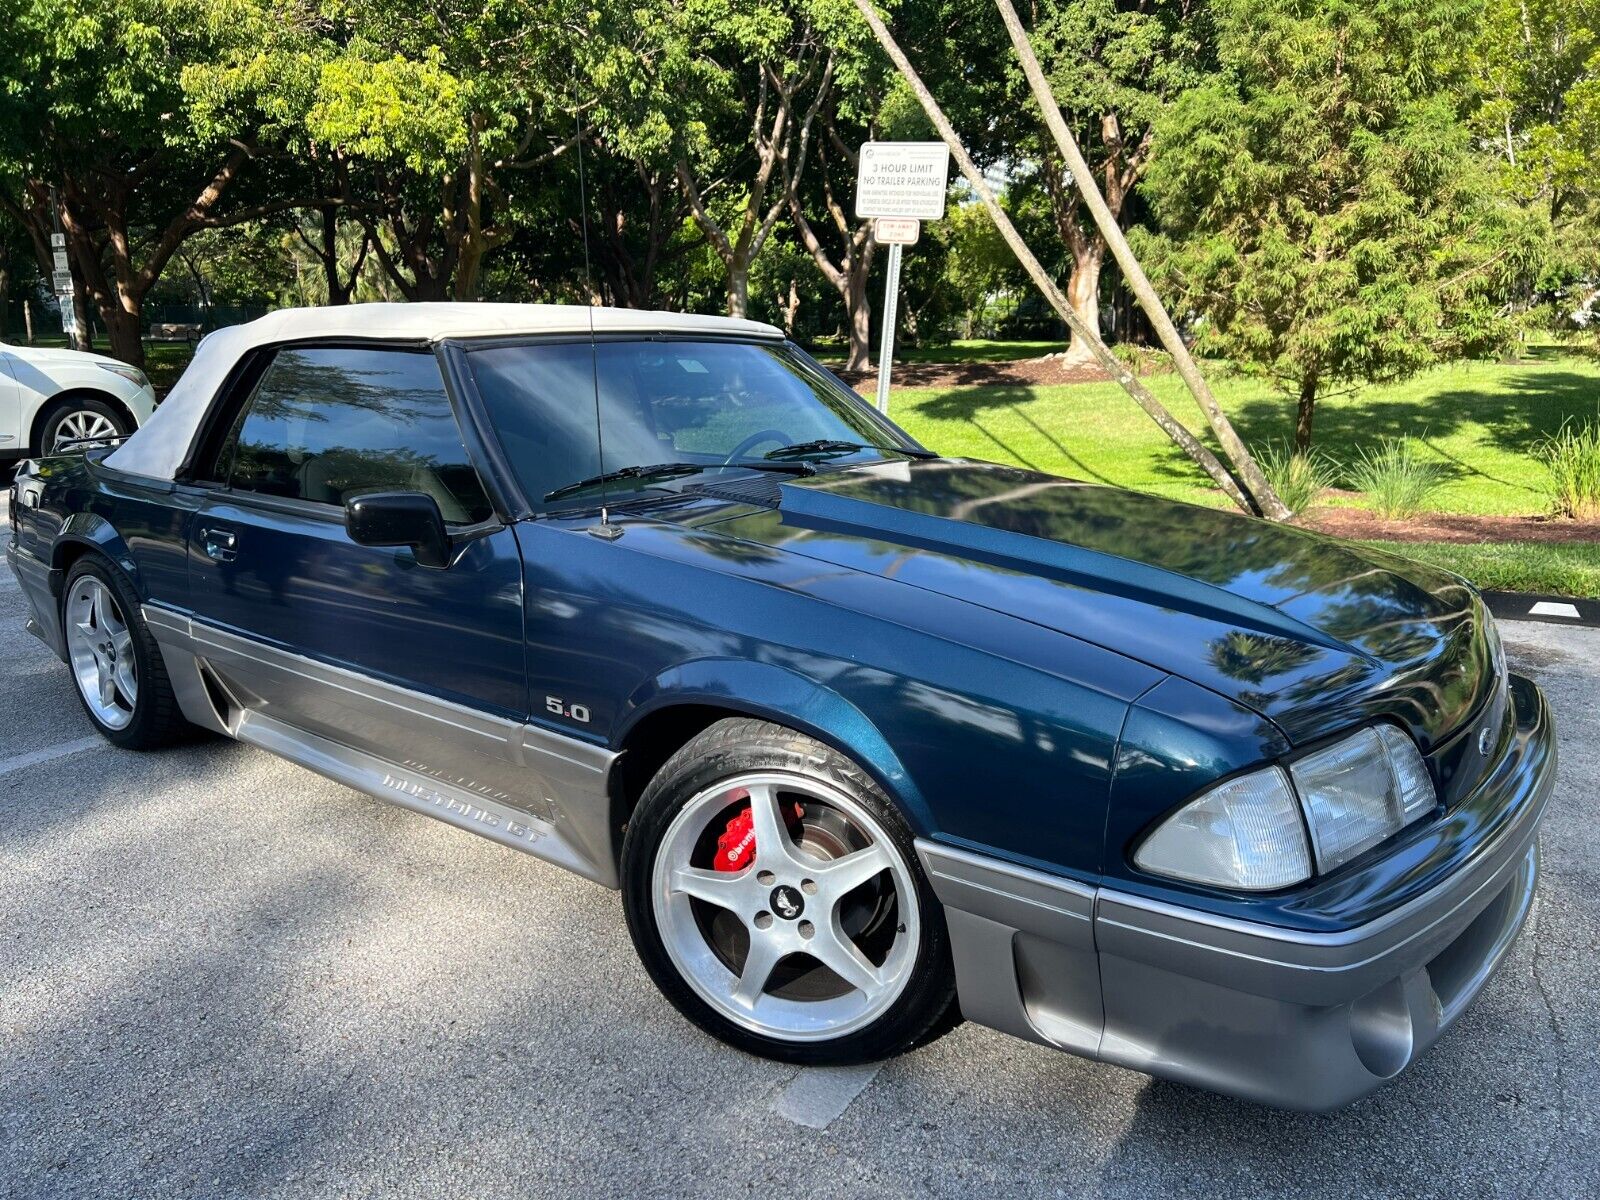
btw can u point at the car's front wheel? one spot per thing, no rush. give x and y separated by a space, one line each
773 893
80 419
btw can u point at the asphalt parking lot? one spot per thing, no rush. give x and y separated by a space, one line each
221 975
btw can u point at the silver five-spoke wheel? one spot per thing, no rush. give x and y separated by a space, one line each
101 650
786 907
81 424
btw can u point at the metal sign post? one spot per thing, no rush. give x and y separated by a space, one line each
900 185
891 298
61 279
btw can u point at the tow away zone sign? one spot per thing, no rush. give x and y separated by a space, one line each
896 231
902 179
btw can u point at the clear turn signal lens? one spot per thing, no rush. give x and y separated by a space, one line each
1360 791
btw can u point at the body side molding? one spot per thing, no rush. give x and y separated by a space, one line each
553 786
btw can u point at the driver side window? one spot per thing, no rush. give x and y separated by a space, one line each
325 424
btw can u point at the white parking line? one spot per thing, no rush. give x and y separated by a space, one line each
49 754
1549 608
818 1095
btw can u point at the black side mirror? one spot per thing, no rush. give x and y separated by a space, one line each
399 519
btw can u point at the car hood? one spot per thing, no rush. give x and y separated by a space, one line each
46 356
1310 632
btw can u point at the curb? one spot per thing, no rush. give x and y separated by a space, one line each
1554 610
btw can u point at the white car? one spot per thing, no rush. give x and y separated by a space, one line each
48 397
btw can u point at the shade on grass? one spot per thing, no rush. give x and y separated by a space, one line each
1482 421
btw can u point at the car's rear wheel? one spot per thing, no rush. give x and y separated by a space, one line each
76 418
115 661
774 896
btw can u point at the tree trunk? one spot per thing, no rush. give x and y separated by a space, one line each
84 339
858 308
1083 293
1304 411
1142 396
738 289
791 307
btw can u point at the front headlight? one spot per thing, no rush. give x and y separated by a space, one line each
132 374
1244 834
1249 833
1360 791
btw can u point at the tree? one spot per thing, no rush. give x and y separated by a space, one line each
1320 204
1537 67
105 117
1158 412
977 265
732 91
1112 67
428 121
1537 70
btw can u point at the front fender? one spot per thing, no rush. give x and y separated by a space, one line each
785 697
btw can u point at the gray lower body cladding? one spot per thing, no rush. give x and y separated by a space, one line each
40 584
510 781
1291 1019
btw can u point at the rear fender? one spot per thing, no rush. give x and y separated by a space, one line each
89 531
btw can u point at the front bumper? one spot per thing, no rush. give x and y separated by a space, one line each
1284 1017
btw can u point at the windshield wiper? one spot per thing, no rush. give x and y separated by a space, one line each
836 446
674 470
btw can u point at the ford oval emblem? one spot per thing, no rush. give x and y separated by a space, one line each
1485 741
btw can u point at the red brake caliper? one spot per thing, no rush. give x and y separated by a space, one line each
736 846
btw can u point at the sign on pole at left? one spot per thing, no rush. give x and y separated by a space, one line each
62 282
58 241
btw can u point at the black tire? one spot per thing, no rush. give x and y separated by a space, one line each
68 406
925 1008
157 720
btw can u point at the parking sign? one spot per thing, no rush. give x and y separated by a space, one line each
902 179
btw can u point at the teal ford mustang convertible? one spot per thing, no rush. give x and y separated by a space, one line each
869 739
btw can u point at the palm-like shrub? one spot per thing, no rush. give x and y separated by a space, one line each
1572 457
1395 477
1298 477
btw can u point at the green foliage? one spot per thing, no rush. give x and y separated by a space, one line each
1396 479
1322 210
1572 456
1299 477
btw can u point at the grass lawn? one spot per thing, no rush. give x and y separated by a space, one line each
1560 570
1482 421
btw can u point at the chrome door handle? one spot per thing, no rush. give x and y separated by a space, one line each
220 544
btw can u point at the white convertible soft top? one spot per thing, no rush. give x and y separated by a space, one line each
159 448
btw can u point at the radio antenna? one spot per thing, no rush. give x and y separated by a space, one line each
605 529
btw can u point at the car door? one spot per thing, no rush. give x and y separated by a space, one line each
309 633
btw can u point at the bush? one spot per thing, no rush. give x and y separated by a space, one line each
1142 360
1297 478
1572 457
1395 479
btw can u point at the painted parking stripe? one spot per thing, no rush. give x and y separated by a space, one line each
1553 608
33 758
818 1095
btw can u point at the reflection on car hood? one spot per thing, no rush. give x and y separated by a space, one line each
1310 632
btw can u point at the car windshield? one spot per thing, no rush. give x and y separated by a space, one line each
695 408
